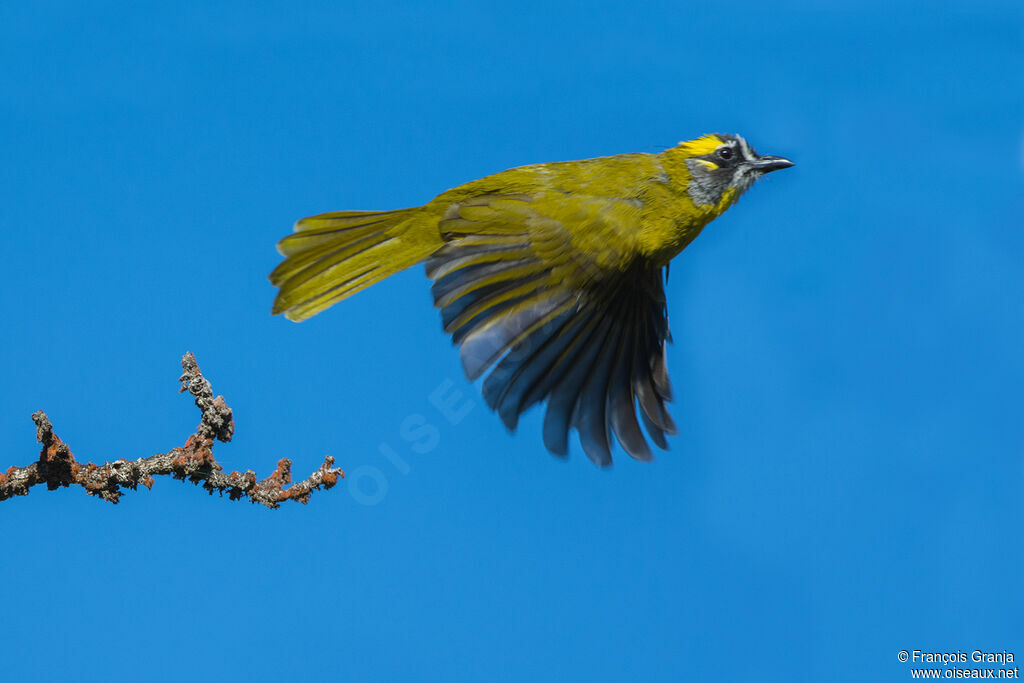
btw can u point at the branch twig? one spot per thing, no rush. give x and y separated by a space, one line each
194 461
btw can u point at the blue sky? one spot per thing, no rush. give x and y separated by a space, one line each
847 481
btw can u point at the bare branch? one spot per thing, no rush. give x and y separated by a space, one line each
194 461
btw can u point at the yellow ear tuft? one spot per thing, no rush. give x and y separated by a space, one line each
703 145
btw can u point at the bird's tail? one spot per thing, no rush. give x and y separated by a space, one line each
334 255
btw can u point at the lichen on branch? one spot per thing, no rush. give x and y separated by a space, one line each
57 467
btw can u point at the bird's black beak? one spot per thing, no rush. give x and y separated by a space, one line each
766 164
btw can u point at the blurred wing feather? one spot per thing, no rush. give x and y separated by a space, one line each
589 339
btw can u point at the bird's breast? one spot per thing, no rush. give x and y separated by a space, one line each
669 224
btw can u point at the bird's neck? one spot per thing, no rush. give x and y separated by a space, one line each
662 241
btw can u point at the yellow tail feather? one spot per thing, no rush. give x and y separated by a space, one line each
334 255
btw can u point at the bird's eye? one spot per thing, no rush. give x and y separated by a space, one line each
725 153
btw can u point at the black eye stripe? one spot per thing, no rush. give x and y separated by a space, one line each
734 155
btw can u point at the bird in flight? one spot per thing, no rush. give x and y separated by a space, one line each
550 275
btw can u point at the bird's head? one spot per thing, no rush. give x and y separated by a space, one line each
722 167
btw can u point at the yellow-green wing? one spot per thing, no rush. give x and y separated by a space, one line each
551 292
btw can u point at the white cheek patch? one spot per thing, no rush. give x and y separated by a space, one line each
743 179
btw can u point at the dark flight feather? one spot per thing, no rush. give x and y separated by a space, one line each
596 355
